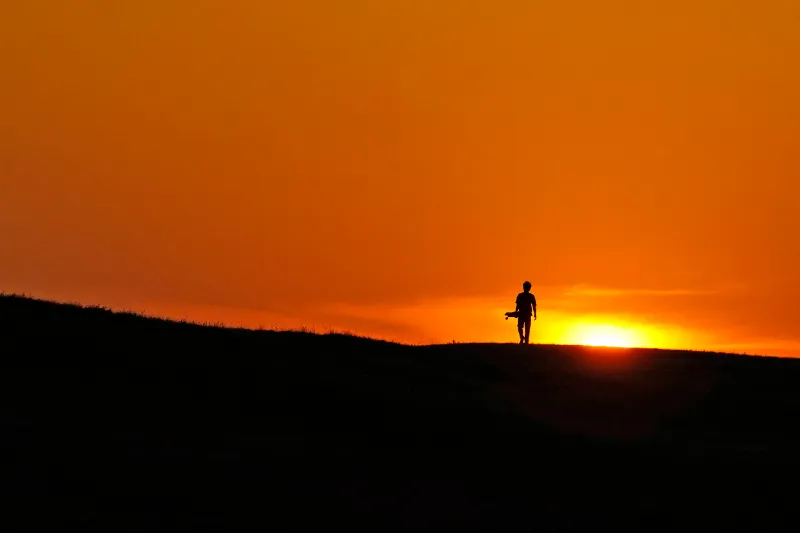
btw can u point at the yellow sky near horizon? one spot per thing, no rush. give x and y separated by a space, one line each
399 168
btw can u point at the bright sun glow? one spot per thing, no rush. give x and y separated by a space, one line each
607 335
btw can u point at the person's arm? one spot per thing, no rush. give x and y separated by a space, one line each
534 308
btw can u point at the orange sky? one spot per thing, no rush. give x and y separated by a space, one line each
398 168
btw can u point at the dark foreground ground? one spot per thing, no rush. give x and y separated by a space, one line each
135 424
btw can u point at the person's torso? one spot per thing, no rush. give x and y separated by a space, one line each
525 301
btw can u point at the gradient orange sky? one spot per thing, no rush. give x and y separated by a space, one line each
399 168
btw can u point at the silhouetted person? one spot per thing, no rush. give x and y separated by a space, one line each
526 306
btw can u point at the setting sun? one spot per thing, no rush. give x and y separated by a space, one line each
607 335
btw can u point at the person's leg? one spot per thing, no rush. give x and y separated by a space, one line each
527 330
520 326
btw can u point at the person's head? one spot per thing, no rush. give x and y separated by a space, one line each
526 286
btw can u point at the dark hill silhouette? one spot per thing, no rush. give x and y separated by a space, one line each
144 424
